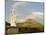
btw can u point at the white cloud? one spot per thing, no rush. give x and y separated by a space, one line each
37 13
38 16
16 4
34 15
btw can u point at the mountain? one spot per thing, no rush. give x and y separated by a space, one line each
30 23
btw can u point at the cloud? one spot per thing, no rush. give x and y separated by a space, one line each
35 15
38 16
16 4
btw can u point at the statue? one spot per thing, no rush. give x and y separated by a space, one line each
13 17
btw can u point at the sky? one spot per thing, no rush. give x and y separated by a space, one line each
25 10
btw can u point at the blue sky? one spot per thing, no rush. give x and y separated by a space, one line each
25 9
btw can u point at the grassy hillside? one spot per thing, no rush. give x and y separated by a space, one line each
29 23
29 26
